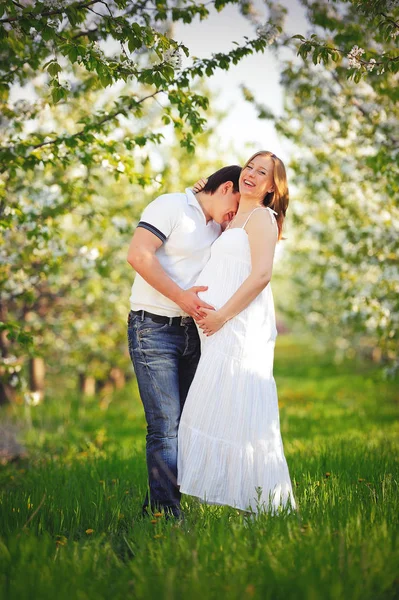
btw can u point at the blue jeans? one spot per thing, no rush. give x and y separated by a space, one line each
165 358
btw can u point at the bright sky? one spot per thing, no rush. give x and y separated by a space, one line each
242 131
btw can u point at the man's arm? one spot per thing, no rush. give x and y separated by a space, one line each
142 257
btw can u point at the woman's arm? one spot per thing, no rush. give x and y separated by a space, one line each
262 235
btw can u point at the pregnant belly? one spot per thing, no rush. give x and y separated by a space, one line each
222 283
209 296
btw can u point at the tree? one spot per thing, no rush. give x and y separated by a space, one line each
72 293
341 116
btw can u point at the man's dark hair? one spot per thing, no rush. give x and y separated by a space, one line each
231 173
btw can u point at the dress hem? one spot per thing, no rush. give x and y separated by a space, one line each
219 502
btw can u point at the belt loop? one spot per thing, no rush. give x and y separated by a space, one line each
170 321
142 315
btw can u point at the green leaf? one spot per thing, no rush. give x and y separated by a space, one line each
54 68
72 15
357 77
47 33
105 79
73 54
56 94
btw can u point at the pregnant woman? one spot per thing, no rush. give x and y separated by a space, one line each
230 449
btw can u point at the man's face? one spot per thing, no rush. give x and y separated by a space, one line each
225 203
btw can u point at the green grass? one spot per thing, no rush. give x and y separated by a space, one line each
85 471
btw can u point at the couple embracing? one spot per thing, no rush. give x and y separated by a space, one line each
201 334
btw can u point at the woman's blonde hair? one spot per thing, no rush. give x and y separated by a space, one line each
278 199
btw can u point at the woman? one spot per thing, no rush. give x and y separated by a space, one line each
230 447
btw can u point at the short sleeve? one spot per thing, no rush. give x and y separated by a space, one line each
160 216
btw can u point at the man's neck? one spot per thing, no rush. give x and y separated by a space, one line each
204 202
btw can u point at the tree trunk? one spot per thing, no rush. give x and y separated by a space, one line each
87 385
105 386
376 354
37 372
117 376
7 393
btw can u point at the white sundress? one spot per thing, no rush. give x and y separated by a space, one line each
230 449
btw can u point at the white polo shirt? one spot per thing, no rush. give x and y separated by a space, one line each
179 221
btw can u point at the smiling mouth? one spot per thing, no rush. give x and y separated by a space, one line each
249 183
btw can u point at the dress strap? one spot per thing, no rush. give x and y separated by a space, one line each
271 211
250 215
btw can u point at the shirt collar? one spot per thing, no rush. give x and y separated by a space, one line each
191 199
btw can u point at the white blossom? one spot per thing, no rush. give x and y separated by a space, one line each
353 57
23 106
173 57
93 254
120 223
56 4
33 398
14 380
331 279
89 256
106 164
9 360
268 32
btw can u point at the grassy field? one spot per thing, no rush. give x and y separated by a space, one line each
69 512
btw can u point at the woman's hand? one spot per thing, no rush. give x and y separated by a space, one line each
199 185
212 322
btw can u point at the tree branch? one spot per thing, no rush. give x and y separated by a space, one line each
48 13
390 20
87 128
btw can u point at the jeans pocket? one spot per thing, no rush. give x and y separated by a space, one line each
131 319
149 327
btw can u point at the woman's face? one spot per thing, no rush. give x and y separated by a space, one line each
256 179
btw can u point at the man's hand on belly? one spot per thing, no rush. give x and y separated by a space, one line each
189 301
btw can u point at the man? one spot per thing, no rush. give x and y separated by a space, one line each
169 249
